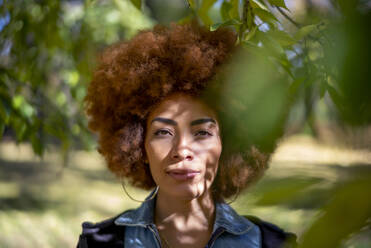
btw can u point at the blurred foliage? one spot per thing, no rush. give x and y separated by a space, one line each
47 52
347 212
48 48
327 58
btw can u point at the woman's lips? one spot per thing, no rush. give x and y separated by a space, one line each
181 175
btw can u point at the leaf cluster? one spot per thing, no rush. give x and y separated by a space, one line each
47 52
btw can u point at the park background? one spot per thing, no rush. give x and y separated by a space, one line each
303 73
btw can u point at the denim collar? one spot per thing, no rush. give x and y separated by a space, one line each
225 217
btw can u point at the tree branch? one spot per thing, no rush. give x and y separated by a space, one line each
245 10
288 17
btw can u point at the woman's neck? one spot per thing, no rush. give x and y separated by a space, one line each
185 221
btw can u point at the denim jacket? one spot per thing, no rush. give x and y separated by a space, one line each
230 229
136 228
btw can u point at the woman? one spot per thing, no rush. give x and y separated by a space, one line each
153 102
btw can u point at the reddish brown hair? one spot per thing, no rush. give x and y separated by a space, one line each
134 76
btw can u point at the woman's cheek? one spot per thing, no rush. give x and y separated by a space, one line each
213 151
159 149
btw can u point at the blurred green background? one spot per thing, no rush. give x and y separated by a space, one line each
301 78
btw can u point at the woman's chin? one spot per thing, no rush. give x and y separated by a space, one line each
187 192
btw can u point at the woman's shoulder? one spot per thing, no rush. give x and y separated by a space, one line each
101 234
273 236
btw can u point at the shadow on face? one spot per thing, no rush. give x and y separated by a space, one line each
183 146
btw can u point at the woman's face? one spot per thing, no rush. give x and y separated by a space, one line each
183 146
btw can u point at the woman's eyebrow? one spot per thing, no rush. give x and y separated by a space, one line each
165 120
202 121
174 123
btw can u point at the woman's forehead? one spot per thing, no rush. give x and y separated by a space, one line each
181 105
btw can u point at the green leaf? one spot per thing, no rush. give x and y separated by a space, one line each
350 203
2 128
271 44
285 190
335 97
294 86
4 112
251 33
234 12
322 88
191 4
250 46
205 18
27 110
286 65
207 4
278 3
20 127
250 18
282 37
265 16
23 106
258 5
304 31
18 101
204 11
186 19
225 11
137 3
226 23
37 145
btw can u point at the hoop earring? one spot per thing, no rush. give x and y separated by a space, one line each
153 194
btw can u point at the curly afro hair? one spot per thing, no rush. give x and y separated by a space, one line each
132 77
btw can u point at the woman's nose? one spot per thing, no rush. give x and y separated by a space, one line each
182 150
183 155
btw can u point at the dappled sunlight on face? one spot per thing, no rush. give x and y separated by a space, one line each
183 146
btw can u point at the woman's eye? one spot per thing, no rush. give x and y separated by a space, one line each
162 132
203 133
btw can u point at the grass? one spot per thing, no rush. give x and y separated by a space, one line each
41 208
